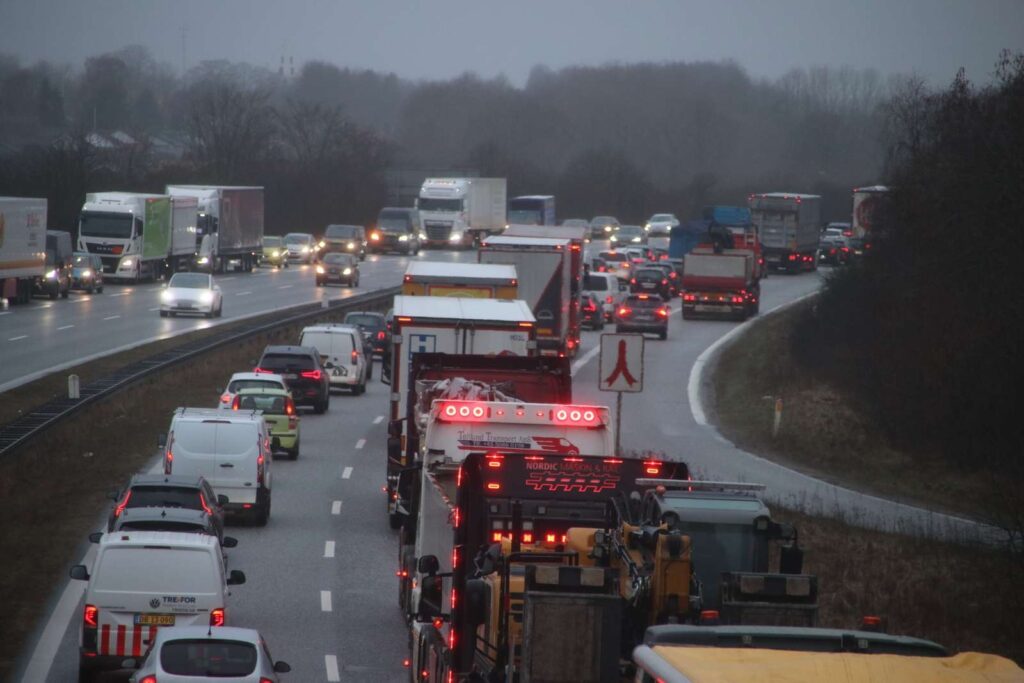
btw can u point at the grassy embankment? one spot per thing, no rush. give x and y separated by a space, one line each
53 488
964 598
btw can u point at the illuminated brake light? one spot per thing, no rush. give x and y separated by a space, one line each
496 536
689 297
123 504
217 616
527 537
262 371
202 501
235 404
225 398
612 461
91 616
652 467
313 374
493 486
550 538
289 408
663 312
576 415
624 311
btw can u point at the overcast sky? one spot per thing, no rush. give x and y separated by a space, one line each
443 38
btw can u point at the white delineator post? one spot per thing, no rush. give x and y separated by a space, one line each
777 420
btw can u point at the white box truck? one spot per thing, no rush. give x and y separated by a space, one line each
458 212
138 236
22 247
230 225
788 225
544 268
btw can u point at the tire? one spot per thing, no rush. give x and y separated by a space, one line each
64 294
360 388
53 294
357 283
394 521
293 454
220 310
319 283
320 408
163 314
90 289
99 290
263 515
86 675
663 335
369 368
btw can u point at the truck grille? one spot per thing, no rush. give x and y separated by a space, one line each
438 231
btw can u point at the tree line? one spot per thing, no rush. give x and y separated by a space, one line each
628 140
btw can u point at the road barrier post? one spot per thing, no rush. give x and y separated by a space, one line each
74 391
778 417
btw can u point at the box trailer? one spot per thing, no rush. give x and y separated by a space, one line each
458 212
229 228
788 226
22 246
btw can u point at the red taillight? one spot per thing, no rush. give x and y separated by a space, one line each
289 407
663 312
313 374
217 616
152 679
550 538
632 281
225 398
380 335
236 403
527 537
259 469
202 501
91 616
575 415
608 299
355 357
293 422
123 504
664 281
792 257
737 299
689 297
624 311
590 307
262 371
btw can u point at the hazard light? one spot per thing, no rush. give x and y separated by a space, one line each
519 413
217 616
91 616
576 415
652 467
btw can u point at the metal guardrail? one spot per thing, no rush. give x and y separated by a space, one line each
33 423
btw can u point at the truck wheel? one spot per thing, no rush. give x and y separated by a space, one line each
99 290
53 294
395 521
163 314
663 335
86 675
263 515
293 454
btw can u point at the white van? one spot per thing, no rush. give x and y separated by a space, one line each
341 353
141 581
607 289
230 449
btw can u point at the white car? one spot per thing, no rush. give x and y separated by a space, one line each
301 247
343 354
191 653
249 380
607 290
661 224
195 293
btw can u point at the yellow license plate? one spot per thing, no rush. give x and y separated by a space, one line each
154 619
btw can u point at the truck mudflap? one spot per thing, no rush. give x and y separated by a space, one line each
767 599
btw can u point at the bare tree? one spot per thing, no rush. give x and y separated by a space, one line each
229 125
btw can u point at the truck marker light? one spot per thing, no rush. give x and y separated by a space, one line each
494 463
525 324
709 617
493 486
407 278
455 558
652 467
91 616
217 616
401 573
457 518
612 461
534 458
437 623
406 663
527 538
549 538
403 319
496 536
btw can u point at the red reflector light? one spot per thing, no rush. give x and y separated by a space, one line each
644 297
709 617
217 616
403 319
494 463
652 467
313 374
91 616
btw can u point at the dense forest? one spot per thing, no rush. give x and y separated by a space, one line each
622 139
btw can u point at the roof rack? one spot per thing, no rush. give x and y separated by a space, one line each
698 485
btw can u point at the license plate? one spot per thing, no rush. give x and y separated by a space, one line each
290 376
772 259
643 318
337 372
647 285
154 619
705 309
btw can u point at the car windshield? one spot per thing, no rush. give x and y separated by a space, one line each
165 497
190 281
605 220
718 548
646 302
336 259
158 525
290 362
439 204
341 231
272 242
596 284
268 403
298 238
649 273
630 230
392 221
661 218
208 658
237 385
368 321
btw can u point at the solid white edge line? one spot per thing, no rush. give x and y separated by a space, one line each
325 601
328 549
65 327
697 370
586 358
336 507
18 338
45 652
360 443
331 664
346 473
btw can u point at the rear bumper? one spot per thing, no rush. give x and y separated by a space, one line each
641 326
90 661
284 440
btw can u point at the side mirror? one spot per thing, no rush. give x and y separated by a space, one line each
428 564
281 667
80 573
229 542
236 578
95 536
161 441
222 499
130 663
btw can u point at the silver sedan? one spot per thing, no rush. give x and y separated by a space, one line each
192 654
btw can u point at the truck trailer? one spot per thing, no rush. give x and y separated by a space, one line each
532 209
466 280
871 210
138 236
22 247
459 212
720 282
788 226
229 227
544 268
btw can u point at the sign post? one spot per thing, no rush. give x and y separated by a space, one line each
621 369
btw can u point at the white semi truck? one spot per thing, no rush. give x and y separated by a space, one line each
230 225
22 247
459 212
138 236
788 225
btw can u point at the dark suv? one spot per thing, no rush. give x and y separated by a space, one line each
374 329
302 371
397 229
168 491
644 313
348 239
651 281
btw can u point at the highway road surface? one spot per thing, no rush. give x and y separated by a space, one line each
45 335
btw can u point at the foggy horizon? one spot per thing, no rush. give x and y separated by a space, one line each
443 40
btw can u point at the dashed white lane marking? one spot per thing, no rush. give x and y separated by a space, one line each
225 279
325 601
19 337
328 549
285 287
65 327
243 293
586 358
46 306
331 664
336 507
5 313
112 317
81 301
346 473
377 420
360 443
121 294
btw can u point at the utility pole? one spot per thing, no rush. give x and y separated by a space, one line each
184 32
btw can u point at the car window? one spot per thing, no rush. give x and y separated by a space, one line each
208 658
368 321
273 405
190 281
164 497
157 525
270 241
237 385
596 284
283 362
144 570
